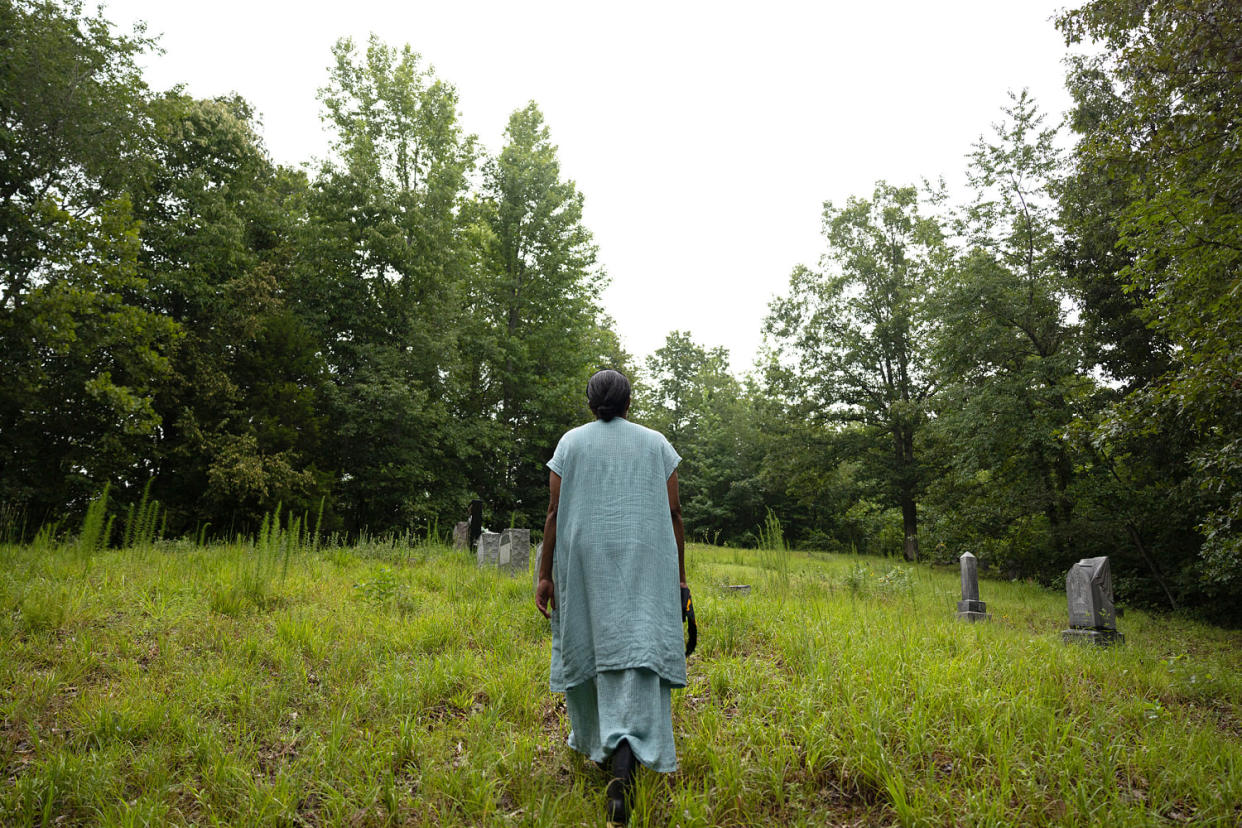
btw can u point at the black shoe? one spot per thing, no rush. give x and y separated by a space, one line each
616 813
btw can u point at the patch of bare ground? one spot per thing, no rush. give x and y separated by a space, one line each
450 709
272 756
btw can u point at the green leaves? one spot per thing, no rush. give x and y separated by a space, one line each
851 342
1169 75
1007 356
535 302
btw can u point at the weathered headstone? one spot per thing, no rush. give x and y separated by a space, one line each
507 550
476 521
514 551
461 535
970 608
1092 616
489 549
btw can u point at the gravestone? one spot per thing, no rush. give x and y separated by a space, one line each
489 549
476 522
970 608
461 535
514 551
507 550
1092 616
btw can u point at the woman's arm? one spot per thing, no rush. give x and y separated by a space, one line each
679 531
544 596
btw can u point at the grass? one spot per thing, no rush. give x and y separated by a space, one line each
393 683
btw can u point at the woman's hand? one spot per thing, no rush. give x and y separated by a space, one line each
545 596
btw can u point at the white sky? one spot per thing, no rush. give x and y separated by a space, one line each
705 136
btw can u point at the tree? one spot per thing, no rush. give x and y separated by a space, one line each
242 425
1009 354
683 376
72 118
693 399
1175 139
83 361
383 262
538 299
852 338
81 355
1146 494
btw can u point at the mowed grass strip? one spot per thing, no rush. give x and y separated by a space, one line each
393 685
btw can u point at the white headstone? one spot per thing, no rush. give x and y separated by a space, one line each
514 550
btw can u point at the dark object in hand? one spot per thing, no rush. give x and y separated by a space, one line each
687 615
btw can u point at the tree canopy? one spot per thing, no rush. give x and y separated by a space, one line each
1045 371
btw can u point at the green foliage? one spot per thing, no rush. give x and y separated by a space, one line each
536 337
1168 74
851 342
384 298
387 589
688 394
409 324
243 408
858 579
82 356
1009 361
140 521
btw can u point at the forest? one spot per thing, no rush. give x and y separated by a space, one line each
1046 370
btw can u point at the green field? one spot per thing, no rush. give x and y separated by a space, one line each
394 684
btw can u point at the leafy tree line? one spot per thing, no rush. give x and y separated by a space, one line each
404 327
1046 372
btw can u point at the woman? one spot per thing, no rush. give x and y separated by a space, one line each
614 547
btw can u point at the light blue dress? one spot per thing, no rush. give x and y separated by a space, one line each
617 648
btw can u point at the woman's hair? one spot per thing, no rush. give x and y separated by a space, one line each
608 394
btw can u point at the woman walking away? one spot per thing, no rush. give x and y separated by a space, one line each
614 548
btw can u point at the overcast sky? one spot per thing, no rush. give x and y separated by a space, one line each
704 136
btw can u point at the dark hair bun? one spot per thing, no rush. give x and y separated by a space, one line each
608 394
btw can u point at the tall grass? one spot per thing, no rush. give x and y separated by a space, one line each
774 552
258 564
142 521
96 528
411 688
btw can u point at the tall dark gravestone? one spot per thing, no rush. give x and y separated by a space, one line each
1092 615
970 608
476 521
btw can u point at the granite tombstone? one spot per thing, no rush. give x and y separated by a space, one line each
514 554
489 549
970 608
1089 592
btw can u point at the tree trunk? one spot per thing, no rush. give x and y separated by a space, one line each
909 509
1151 564
910 524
